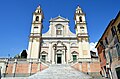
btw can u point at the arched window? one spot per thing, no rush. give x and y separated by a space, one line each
37 18
80 18
44 55
59 30
38 11
74 55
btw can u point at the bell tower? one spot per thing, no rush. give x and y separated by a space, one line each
81 33
36 34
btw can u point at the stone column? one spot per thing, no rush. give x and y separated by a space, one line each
30 67
14 67
39 62
80 66
5 67
68 52
30 48
88 65
63 57
54 57
50 51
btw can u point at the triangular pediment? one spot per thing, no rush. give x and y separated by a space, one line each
59 19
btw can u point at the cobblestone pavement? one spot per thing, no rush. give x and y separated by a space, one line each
60 72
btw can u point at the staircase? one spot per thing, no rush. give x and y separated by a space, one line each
60 71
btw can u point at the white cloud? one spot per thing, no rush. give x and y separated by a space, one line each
92 46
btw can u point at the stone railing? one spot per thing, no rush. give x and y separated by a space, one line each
85 60
12 67
23 60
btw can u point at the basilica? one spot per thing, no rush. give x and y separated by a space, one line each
59 45
59 52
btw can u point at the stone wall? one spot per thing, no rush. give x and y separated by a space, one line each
88 66
24 68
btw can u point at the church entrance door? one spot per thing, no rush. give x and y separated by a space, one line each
59 58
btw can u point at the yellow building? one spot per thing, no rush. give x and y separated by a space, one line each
116 64
117 25
110 52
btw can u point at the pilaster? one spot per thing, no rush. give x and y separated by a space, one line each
5 67
80 49
39 63
14 67
88 65
30 67
80 66
50 51
68 53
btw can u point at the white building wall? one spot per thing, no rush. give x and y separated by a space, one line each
50 38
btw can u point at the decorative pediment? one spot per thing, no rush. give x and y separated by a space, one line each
44 52
59 45
59 19
74 52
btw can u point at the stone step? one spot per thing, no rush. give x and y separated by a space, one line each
61 71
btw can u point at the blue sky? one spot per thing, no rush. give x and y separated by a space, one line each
16 18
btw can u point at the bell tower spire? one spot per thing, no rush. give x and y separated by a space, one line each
81 33
36 34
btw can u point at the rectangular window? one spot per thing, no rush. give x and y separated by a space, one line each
118 72
117 46
104 54
101 43
81 27
113 31
106 40
44 57
74 57
35 27
118 27
110 57
59 32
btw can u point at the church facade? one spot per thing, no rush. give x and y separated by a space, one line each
59 45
